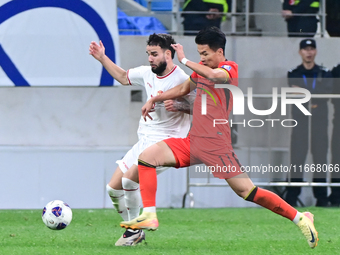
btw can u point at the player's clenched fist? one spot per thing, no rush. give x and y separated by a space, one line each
179 50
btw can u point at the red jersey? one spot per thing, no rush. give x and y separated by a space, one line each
219 105
205 143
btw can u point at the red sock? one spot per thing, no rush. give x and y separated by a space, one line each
147 183
273 202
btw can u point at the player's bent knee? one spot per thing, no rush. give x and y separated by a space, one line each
131 175
129 184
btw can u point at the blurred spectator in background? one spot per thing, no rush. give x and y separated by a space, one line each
334 198
333 17
300 26
195 22
312 77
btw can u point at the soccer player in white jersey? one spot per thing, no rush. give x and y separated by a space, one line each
160 76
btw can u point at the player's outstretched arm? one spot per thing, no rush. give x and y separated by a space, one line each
175 92
181 104
177 105
216 75
98 52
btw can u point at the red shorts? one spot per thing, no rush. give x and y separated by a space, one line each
223 164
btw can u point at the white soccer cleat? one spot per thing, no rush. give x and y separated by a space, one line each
130 238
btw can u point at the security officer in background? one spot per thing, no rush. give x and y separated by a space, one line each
195 22
334 198
300 26
317 80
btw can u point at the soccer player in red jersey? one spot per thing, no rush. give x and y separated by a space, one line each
207 143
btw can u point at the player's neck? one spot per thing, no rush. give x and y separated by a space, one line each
168 69
218 61
308 66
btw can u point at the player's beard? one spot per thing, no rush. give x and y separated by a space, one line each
160 68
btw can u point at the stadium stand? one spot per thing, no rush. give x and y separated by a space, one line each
135 25
161 5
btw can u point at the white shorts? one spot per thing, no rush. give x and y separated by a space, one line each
131 157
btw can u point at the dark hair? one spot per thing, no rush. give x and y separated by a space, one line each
162 40
213 37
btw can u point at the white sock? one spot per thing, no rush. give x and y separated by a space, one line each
150 209
297 218
132 197
118 201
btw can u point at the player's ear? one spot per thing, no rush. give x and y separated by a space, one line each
168 53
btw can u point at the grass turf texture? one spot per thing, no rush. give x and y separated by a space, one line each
182 231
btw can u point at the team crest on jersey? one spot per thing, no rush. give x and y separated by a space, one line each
227 67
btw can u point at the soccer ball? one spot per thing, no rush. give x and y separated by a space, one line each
57 215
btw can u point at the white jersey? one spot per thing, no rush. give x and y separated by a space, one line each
164 124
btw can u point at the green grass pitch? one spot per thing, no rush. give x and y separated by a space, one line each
241 231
